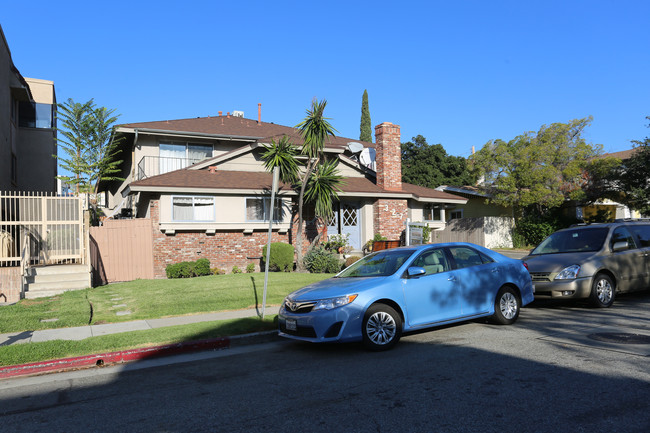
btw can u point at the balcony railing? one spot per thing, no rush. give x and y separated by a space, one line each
155 165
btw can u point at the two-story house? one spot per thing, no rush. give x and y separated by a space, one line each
203 185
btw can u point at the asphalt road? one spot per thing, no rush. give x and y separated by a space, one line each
560 368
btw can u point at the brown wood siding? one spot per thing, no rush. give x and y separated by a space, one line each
122 250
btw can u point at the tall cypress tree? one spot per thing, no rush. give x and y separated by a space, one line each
366 131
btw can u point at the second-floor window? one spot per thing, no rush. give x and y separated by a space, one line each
174 156
35 115
192 208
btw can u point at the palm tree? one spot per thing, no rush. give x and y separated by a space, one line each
319 180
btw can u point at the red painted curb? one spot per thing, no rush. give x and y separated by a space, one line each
113 357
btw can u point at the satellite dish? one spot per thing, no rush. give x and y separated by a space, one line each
355 147
367 158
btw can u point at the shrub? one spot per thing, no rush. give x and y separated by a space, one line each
319 260
217 271
281 259
198 268
533 229
202 267
351 260
250 268
236 270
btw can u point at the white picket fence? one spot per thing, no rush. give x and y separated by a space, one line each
41 229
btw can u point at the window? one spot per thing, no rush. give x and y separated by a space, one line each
33 115
456 214
621 234
198 208
258 209
643 234
433 262
466 257
432 212
174 156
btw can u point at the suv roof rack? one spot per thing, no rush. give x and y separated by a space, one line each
631 220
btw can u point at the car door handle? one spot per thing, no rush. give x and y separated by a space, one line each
495 270
452 278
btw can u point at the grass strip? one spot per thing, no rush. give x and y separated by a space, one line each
34 352
150 299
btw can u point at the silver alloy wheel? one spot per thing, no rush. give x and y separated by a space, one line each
508 305
604 290
380 328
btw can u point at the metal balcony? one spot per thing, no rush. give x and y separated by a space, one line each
155 165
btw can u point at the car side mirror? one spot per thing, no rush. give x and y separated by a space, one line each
619 246
415 271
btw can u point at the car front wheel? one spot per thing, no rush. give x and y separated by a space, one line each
506 306
382 327
603 291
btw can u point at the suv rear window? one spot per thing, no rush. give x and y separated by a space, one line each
573 241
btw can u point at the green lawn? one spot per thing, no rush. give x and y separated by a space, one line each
148 299
34 352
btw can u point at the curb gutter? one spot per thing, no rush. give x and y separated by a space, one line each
123 356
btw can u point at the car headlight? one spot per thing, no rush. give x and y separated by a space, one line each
331 303
569 273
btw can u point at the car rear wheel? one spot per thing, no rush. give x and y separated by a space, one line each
382 327
506 306
603 291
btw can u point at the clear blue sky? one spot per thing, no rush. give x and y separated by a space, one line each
457 72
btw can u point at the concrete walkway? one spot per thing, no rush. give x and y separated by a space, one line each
81 332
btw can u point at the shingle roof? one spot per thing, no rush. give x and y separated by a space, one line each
196 180
234 127
622 155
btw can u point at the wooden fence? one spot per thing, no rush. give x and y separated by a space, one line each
122 250
490 232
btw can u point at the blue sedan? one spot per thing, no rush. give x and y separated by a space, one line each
404 289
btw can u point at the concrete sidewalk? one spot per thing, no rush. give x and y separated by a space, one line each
81 332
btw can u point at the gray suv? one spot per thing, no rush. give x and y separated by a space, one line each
592 261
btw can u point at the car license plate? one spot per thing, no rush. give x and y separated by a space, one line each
291 325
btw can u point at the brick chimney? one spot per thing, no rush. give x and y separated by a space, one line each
389 156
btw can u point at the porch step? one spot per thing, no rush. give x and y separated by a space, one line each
43 281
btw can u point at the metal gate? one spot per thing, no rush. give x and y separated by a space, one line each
41 229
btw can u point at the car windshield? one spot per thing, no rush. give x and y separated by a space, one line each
379 264
573 241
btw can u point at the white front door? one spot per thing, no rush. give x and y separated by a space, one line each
346 220
351 223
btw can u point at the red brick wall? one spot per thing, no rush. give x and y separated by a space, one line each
10 285
390 217
389 156
224 249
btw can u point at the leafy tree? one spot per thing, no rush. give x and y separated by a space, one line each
366 128
316 178
430 166
633 181
87 141
536 171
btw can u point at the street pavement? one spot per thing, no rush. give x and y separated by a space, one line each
563 367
